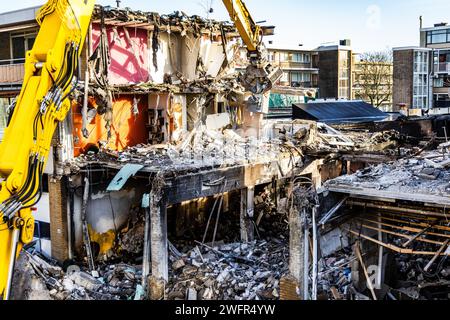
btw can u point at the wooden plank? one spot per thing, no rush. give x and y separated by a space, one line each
366 273
408 229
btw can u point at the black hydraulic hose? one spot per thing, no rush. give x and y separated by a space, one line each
12 201
40 188
32 191
16 195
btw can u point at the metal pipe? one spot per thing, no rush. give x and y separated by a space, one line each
305 257
146 260
330 214
12 263
315 254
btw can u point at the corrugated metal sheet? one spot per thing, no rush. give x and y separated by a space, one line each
338 112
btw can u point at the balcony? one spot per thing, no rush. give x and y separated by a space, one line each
297 84
442 67
11 71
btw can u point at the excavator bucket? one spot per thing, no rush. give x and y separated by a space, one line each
260 79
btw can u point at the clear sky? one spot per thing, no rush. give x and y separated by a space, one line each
370 24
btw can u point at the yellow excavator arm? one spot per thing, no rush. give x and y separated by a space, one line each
260 74
51 74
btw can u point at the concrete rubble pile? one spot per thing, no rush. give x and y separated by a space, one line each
229 272
112 282
428 172
320 139
335 276
416 284
198 149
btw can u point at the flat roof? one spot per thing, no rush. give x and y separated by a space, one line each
19 16
335 47
435 28
411 48
288 48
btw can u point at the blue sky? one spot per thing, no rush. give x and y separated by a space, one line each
370 24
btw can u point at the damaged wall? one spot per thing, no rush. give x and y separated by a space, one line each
128 52
129 127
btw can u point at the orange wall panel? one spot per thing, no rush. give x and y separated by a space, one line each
127 130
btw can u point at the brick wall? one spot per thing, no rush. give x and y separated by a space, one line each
328 77
403 78
58 219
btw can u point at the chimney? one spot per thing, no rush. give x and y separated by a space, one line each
118 3
421 22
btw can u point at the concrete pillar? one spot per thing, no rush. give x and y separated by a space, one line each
159 247
298 252
247 213
58 219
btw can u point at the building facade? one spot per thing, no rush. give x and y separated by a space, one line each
18 30
335 76
412 76
422 74
300 67
437 38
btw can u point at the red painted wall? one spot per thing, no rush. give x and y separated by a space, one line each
129 61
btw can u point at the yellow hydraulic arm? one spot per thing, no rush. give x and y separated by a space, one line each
51 72
260 74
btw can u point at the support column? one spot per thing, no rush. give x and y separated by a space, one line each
247 214
159 247
298 250
147 260
58 219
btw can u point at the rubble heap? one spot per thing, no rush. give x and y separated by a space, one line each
335 276
199 149
428 173
111 282
229 272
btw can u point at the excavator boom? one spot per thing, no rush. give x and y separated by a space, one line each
260 75
51 73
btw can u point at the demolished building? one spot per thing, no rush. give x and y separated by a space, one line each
165 185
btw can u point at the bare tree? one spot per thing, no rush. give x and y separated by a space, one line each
373 78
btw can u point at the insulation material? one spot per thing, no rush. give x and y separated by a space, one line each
163 60
212 56
128 128
129 54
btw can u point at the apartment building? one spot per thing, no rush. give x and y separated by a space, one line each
412 75
437 38
300 66
335 76
422 74
18 30
323 72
